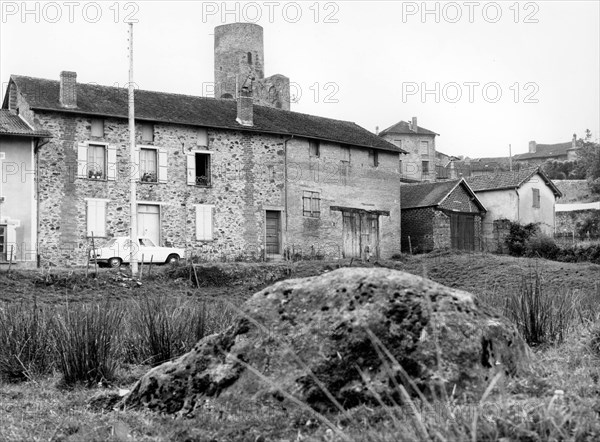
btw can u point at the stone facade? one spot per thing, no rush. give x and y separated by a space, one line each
249 173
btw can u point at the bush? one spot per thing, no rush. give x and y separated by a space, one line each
85 342
24 342
541 245
518 236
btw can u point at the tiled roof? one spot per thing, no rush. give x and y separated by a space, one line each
111 101
12 124
546 151
413 196
508 180
402 127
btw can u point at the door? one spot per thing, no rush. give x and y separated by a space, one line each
273 232
462 231
360 235
148 220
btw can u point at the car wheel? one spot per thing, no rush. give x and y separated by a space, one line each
115 263
172 259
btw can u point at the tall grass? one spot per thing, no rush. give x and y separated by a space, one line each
542 316
24 341
85 337
163 328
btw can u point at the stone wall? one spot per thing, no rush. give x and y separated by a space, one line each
354 184
412 168
574 191
569 222
248 178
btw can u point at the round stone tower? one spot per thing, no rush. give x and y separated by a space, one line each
239 53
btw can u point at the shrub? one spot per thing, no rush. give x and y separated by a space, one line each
540 315
24 341
85 339
518 236
541 245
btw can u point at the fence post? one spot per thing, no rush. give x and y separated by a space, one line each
409 245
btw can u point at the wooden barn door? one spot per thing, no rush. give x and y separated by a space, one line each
359 231
462 231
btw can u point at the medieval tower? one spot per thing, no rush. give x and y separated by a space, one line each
239 62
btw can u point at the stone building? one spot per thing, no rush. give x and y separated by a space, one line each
540 153
226 179
419 163
438 215
240 62
19 143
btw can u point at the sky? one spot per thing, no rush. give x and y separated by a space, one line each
483 75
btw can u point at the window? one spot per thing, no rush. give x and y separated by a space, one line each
96 217
425 167
314 149
148 165
199 169
373 158
425 149
202 138
204 222
311 204
147 132
398 143
97 127
97 161
536 198
3 241
345 153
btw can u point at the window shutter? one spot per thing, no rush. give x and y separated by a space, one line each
11 240
82 160
191 169
96 218
91 217
162 165
111 163
204 223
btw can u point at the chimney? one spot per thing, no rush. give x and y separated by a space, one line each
415 128
574 141
12 96
245 112
376 130
68 89
532 146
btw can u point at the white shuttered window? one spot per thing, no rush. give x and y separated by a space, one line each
204 222
96 217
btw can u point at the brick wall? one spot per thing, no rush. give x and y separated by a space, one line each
418 225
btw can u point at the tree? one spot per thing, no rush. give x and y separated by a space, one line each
589 161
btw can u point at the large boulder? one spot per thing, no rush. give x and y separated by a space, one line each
301 337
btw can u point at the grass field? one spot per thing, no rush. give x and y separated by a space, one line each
559 401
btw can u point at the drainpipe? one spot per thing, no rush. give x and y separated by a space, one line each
285 184
518 205
36 152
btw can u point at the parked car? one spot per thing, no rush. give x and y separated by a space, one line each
118 251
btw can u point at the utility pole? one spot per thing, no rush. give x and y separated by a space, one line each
132 165
510 157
